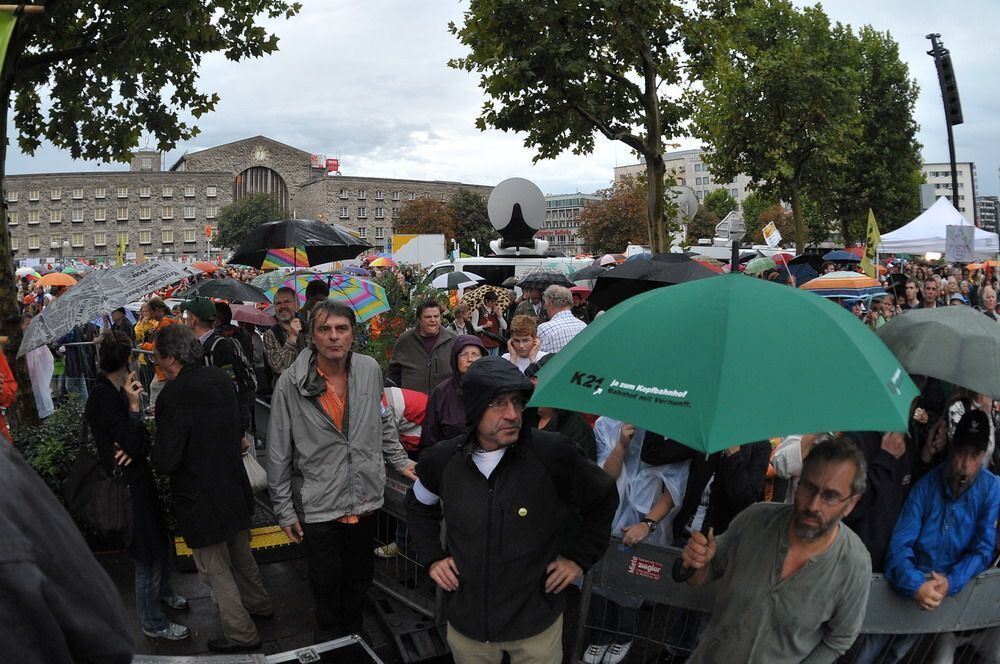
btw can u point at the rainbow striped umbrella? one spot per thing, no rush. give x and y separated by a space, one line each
365 297
845 284
286 257
382 261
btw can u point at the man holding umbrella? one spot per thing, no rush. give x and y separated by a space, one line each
805 601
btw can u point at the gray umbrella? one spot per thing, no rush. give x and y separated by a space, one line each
542 279
959 345
97 294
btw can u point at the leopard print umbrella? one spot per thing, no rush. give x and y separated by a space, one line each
474 298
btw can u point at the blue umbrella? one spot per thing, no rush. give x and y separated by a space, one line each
841 256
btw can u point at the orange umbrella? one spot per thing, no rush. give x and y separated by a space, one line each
975 266
383 261
56 279
206 267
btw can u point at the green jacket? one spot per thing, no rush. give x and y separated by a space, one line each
336 473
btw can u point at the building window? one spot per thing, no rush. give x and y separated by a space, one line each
189 212
145 237
362 213
122 238
13 244
12 197
122 214
344 214
144 192
99 192
167 192
78 194
145 213
697 168
100 214
411 196
167 236
55 194
76 239
735 193
395 195
32 217
379 213
188 191
362 232
11 218
100 239
395 213
212 211
167 212
33 195
344 193
211 192
190 235
122 192
34 242
379 195
444 198
77 215
362 194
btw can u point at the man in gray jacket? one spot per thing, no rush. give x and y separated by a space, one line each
326 412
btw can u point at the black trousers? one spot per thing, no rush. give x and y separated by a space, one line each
341 564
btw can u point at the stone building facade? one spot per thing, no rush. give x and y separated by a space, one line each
166 213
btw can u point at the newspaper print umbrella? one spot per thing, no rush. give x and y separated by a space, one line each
97 294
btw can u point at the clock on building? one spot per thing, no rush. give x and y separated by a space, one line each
260 153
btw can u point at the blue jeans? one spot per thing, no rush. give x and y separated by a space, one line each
76 385
152 582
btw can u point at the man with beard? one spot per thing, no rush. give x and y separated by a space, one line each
945 536
792 580
284 340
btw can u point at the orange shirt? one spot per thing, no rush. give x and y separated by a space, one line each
333 405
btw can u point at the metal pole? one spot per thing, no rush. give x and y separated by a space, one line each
734 260
954 166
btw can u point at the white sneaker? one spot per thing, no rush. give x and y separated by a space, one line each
387 551
172 632
617 652
594 654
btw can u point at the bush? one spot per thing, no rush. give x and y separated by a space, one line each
50 447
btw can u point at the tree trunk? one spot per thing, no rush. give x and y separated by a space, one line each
800 224
22 412
655 171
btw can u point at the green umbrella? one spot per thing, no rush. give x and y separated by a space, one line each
682 361
959 345
758 265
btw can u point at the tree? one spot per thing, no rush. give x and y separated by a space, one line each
560 72
240 218
884 165
781 103
753 207
702 226
425 215
472 221
719 203
782 220
91 76
619 219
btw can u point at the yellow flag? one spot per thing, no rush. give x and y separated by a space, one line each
7 21
120 254
872 239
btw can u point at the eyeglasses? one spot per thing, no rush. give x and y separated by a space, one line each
471 355
501 403
830 498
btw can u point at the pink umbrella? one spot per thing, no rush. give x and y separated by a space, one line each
248 313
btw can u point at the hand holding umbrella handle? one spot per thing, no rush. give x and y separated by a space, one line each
704 550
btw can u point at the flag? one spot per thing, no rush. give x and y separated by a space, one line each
7 21
333 165
872 239
120 254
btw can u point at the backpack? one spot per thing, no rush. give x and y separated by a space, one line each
245 377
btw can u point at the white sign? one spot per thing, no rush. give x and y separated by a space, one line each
772 235
960 243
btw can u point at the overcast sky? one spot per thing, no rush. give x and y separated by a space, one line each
367 81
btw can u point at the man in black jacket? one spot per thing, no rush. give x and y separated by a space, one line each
198 436
510 495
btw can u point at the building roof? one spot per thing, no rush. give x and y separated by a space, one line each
253 139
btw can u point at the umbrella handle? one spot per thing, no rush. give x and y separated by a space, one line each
681 572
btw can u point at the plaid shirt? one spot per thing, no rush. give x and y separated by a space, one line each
559 330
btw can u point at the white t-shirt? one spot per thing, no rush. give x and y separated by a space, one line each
523 363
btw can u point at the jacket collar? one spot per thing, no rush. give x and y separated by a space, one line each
312 384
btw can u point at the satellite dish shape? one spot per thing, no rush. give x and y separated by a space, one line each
686 201
517 209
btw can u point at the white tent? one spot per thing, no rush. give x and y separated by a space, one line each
928 233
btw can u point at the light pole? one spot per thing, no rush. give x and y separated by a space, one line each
952 106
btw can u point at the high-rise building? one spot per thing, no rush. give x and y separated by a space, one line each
939 175
685 167
562 225
988 211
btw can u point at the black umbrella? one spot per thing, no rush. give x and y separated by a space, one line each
814 260
635 277
589 272
321 242
231 290
542 279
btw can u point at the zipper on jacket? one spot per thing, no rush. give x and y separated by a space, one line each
486 556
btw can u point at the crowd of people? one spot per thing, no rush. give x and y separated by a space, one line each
531 496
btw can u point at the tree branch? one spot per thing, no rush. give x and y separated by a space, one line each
625 137
34 61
